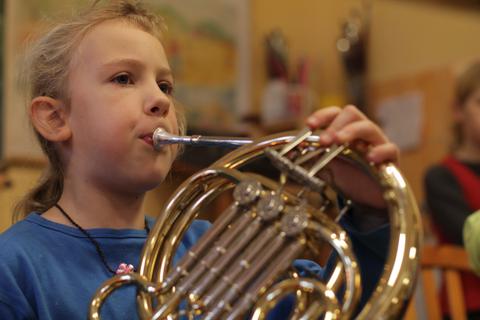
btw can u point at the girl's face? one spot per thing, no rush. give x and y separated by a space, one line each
120 90
470 118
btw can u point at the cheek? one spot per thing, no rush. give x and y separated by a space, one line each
469 113
173 120
471 125
100 133
476 126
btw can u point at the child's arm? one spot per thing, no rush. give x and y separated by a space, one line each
471 239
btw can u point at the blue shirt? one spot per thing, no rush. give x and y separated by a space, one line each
51 271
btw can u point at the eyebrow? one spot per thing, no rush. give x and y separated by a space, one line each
135 64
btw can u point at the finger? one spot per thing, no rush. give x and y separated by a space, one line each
348 115
364 130
323 117
387 152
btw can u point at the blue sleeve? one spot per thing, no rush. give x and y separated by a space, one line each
9 312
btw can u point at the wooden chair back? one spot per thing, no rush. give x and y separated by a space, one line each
450 261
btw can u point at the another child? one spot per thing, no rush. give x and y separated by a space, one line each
99 85
453 186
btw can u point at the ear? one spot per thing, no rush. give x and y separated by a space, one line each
49 118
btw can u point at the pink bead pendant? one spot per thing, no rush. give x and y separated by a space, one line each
124 268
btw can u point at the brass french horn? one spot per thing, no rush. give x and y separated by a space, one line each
242 265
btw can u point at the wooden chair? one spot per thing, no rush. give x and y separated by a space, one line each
450 260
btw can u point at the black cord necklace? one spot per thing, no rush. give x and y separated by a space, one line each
123 267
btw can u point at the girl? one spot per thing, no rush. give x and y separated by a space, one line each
99 85
453 186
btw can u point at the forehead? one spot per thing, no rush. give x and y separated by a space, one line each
113 40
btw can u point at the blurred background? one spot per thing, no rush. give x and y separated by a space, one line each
255 67
251 68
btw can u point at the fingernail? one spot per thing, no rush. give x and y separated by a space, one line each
311 121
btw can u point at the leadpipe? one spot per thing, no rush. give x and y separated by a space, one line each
161 138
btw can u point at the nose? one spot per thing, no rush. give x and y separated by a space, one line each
158 104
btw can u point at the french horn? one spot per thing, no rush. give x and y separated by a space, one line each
242 266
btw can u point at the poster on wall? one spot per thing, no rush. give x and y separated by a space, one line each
206 42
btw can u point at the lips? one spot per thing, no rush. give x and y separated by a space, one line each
147 138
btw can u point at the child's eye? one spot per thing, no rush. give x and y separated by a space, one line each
166 87
123 79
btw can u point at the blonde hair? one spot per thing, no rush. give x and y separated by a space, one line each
467 83
46 74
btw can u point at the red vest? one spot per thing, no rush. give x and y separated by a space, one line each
470 184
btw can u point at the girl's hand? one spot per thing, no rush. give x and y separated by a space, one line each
350 125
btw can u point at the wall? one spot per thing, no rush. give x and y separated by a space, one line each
409 37
20 181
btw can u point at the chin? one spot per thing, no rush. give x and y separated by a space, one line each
152 181
149 177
